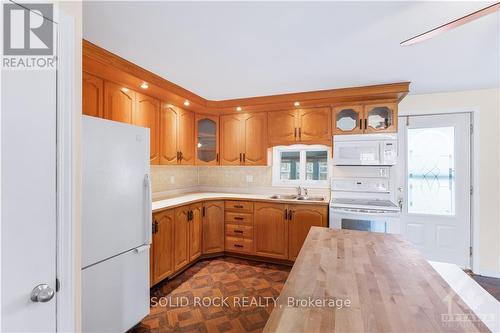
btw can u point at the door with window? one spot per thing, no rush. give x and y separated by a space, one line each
435 185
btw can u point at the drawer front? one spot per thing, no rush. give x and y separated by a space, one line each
242 245
239 231
238 218
239 206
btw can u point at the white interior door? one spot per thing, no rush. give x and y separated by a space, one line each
435 185
28 200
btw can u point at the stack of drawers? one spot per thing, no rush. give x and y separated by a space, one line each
238 218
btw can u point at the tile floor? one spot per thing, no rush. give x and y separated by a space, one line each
237 279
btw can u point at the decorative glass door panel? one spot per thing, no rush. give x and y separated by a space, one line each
380 118
347 119
206 140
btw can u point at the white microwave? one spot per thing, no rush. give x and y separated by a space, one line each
365 149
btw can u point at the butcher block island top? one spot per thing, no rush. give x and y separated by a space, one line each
356 281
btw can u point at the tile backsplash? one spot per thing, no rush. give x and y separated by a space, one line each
166 178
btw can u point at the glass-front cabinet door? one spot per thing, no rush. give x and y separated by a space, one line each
380 118
347 119
207 140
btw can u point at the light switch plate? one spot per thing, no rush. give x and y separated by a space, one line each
249 179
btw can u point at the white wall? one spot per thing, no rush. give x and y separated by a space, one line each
486 104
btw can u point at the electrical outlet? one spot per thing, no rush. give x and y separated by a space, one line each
249 179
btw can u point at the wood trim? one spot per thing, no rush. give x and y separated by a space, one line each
111 67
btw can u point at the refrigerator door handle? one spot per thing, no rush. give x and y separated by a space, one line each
141 248
149 225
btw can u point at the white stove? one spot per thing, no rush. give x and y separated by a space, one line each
362 198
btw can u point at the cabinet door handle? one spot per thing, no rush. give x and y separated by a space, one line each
286 214
238 218
244 157
241 158
217 158
203 211
238 245
177 156
366 123
295 132
300 133
238 231
290 215
238 206
180 156
361 124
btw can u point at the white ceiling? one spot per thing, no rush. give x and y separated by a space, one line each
223 50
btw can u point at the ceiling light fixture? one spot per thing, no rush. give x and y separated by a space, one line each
144 85
239 108
296 104
186 102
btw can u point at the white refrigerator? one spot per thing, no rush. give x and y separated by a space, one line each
116 225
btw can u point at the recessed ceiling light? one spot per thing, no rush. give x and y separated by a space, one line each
186 102
125 89
239 108
296 104
144 85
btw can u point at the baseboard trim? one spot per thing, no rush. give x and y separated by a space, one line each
487 273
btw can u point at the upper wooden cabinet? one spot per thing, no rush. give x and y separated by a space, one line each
347 119
371 118
119 103
271 230
162 264
303 125
381 118
244 139
213 227
207 140
147 114
176 135
301 219
92 95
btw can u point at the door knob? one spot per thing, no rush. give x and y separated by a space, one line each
42 293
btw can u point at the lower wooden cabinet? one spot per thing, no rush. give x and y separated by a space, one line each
301 219
195 231
181 237
270 230
162 263
213 227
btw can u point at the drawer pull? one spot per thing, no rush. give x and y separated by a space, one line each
238 231
238 206
238 218
238 245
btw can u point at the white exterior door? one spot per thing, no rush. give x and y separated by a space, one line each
28 200
435 185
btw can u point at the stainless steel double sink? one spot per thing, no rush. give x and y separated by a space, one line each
296 197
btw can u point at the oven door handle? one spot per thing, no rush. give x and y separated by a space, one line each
350 212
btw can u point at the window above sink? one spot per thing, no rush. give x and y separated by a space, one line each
304 165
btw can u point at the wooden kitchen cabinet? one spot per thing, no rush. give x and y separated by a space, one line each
213 227
282 127
176 135
311 125
270 230
347 119
92 95
244 139
207 140
162 259
195 231
119 103
147 114
181 237
301 219
380 118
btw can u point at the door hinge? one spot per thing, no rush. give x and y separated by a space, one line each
471 129
471 190
58 285
470 251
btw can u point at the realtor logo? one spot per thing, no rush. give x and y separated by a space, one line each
29 30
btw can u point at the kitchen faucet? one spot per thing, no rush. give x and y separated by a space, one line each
299 190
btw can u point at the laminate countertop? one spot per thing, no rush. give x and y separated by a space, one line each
189 198
355 281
